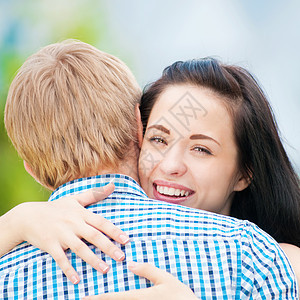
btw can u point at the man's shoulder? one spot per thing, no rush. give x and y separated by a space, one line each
20 256
194 240
130 209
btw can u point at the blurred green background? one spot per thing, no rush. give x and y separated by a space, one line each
30 25
262 36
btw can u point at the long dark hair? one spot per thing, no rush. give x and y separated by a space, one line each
272 199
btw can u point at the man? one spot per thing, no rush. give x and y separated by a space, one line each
72 114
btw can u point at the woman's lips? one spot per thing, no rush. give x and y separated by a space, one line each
171 192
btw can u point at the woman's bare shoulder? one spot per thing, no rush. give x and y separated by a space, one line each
293 254
291 251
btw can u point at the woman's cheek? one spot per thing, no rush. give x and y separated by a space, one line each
145 165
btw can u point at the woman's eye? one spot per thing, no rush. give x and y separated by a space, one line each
158 140
201 150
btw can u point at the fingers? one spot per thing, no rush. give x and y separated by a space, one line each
94 195
106 227
155 275
85 253
166 286
103 243
61 259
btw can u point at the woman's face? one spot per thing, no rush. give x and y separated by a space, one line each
188 155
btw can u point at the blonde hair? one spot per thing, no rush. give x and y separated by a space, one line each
70 111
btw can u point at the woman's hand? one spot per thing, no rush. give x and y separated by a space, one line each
166 286
61 224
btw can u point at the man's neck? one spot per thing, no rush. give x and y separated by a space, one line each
127 166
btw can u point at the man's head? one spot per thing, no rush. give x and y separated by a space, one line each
70 112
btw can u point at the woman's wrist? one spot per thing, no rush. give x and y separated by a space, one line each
10 224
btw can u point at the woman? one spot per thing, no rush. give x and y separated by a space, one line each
272 197
210 142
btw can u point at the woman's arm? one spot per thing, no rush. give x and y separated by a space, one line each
9 237
166 286
61 224
293 254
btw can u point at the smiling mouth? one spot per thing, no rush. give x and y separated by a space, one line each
172 192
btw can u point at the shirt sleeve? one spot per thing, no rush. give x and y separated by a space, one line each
266 271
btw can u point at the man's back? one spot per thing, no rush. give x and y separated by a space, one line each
216 256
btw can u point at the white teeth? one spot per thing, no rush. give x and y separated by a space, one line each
171 191
177 192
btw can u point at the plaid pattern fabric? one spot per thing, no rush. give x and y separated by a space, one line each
218 257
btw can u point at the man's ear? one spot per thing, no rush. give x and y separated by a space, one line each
242 183
29 170
32 174
139 125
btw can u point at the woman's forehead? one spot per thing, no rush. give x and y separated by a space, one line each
187 110
186 104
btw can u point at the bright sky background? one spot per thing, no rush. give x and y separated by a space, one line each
263 36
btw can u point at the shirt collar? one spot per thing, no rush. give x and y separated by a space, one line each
123 184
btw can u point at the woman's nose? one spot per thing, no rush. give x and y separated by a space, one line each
173 163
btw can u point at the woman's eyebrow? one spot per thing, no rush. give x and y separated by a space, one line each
202 137
161 128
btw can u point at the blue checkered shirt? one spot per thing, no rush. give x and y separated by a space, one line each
217 257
